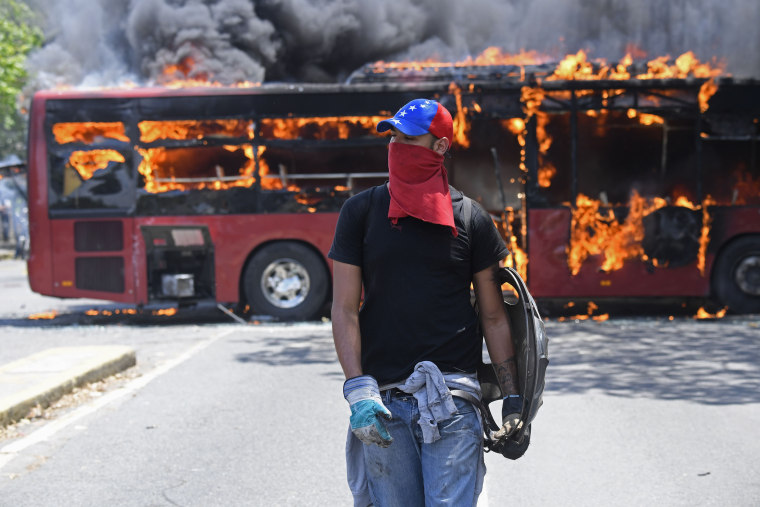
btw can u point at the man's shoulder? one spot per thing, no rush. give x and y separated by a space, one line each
364 198
477 207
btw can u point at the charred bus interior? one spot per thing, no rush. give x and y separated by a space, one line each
583 177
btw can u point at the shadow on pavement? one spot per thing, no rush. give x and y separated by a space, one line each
280 351
715 362
633 354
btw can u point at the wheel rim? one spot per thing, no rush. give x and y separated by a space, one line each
285 283
747 275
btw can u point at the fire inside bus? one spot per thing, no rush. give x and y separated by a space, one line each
606 181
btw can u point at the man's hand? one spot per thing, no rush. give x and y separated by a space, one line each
511 411
512 449
367 410
507 446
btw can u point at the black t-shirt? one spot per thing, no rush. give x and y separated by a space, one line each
416 278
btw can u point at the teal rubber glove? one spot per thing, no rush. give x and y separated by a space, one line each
367 410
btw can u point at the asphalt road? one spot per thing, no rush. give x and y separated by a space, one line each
638 411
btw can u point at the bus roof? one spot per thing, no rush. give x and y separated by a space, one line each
390 88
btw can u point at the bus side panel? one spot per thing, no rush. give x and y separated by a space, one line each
40 262
94 259
731 221
316 229
550 277
236 236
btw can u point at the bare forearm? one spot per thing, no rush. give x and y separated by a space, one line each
347 288
501 350
506 373
347 338
496 329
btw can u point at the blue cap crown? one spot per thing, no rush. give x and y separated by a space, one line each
419 117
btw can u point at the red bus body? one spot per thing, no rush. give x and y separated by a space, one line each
58 255
77 245
550 278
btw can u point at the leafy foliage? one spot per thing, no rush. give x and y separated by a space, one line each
18 36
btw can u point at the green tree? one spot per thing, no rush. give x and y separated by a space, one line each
18 36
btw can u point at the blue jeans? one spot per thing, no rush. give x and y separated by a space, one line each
411 473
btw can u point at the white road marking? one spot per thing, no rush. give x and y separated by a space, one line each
13 449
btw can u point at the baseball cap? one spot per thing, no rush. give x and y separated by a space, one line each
419 117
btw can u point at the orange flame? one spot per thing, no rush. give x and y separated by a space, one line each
644 118
686 65
267 182
545 175
520 262
518 258
704 237
43 316
87 162
591 307
515 125
531 99
327 127
578 67
88 132
596 232
181 169
461 121
179 76
183 68
165 311
706 91
167 169
107 313
574 66
191 129
704 314
490 56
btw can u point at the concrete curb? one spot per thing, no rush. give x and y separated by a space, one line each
42 378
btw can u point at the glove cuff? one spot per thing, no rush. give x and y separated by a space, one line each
363 387
512 404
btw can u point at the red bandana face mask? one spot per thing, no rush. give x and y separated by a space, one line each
419 185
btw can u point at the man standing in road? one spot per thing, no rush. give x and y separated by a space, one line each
415 337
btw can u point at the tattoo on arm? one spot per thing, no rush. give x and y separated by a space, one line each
506 373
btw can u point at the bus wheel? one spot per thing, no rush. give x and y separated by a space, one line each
286 280
736 277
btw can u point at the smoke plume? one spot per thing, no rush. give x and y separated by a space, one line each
111 42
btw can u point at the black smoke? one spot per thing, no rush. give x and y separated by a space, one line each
111 42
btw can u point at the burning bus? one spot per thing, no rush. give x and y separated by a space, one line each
607 181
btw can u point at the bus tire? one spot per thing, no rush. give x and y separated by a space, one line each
736 277
286 280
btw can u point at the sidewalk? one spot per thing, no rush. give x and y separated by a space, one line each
42 378
6 251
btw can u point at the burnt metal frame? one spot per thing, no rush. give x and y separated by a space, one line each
365 97
632 90
241 141
130 111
